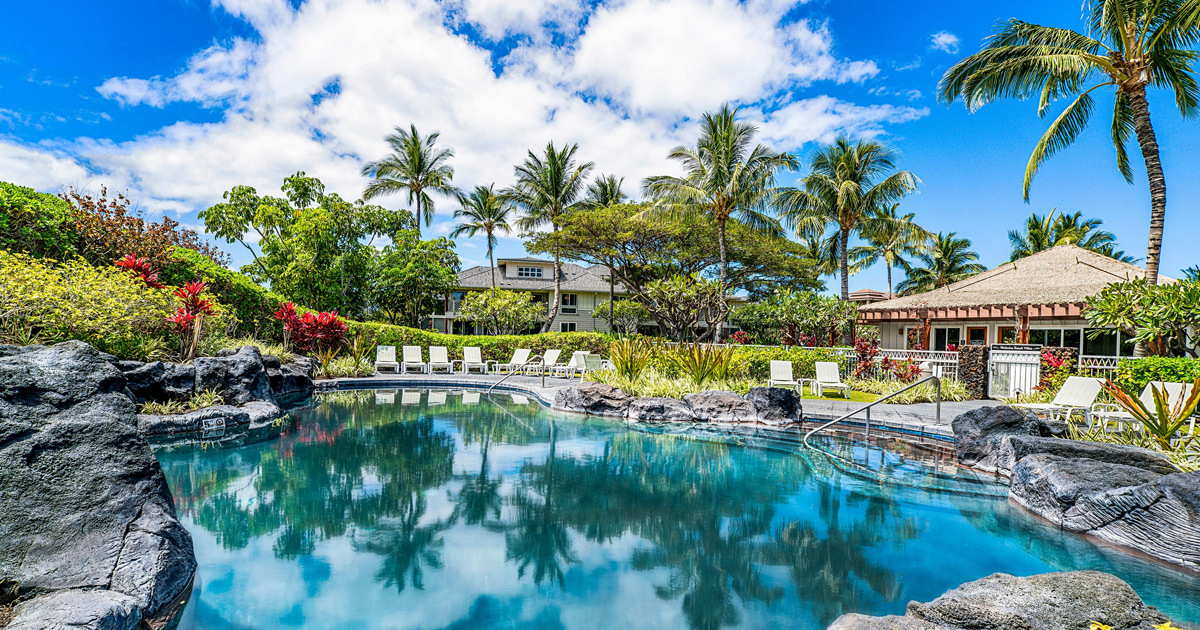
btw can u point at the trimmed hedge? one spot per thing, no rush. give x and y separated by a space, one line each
1133 374
804 360
498 348
35 223
253 304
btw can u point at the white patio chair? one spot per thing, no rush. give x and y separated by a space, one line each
519 360
781 375
470 398
548 361
591 363
412 359
410 397
472 360
385 359
1105 413
828 377
571 367
438 360
1077 395
437 398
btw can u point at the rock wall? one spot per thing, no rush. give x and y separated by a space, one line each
772 406
88 533
973 370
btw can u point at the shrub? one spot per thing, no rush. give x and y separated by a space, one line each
141 268
190 317
214 343
702 363
251 304
653 383
199 400
1133 374
311 332
952 391
755 363
35 223
630 357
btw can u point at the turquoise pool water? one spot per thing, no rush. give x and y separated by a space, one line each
438 510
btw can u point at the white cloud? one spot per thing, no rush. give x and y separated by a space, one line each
323 84
498 18
945 41
39 168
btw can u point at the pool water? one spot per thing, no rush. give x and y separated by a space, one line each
432 510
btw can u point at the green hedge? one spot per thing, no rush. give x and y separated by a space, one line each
498 348
1133 374
35 223
253 304
758 360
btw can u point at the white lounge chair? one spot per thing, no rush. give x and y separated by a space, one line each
781 375
410 397
572 367
1076 396
472 360
438 360
385 359
548 362
1104 413
412 360
519 360
828 377
591 363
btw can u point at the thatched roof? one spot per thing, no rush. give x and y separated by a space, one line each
1066 274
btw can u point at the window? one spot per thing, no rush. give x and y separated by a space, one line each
945 338
912 336
570 303
977 336
1103 345
566 327
529 272
1046 337
1007 335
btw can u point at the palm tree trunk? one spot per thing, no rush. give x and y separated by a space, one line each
724 273
557 287
889 269
844 254
417 215
610 298
1158 182
491 261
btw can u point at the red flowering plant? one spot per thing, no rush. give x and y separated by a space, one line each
905 370
311 332
189 316
867 352
739 337
141 268
1054 372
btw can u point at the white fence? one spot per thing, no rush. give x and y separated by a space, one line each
936 363
1103 367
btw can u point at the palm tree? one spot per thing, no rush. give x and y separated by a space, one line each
603 192
485 211
1133 45
1043 232
723 177
947 261
822 251
891 238
546 187
415 167
1192 274
849 183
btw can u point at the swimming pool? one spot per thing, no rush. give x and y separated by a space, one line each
437 509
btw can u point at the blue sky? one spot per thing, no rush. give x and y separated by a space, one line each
176 101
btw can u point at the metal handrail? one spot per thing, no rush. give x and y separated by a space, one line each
521 368
937 386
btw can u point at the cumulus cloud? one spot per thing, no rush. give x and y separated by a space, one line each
38 167
323 83
945 41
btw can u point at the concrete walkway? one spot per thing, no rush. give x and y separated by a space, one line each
920 419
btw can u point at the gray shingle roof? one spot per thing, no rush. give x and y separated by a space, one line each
575 278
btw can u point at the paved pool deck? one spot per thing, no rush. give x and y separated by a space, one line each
919 419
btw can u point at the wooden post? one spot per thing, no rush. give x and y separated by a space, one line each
1023 331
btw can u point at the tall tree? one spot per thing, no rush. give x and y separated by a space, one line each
849 183
1043 232
892 239
1133 45
606 192
483 210
723 178
947 261
546 187
415 167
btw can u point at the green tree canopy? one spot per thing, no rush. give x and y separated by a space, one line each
1043 232
409 277
502 312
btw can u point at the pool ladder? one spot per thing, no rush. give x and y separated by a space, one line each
937 386
521 369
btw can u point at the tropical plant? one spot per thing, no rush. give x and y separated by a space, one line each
1164 421
850 184
630 357
759 321
702 363
723 178
251 304
35 223
311 332
141 268
408 279
807 314
483 210
680 302
190 317
500 311
1043 232
546 187
325 356
891 239
362 344
1192 273
416 166
603 192
1131 45
626 315
199 400
947 261
951 390
1164 318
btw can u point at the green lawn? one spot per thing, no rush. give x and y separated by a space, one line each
852 395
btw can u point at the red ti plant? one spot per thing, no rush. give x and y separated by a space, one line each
740 337
311 331
867 352
189 316
141 268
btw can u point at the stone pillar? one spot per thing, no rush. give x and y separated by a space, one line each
973 369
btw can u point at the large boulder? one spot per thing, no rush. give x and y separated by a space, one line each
720 406
776 406
1160 518
659 410
290 378
1015 447
239 378
1050 601
160 381
84 505
854 621
1049 486
978 433
78 610
595 399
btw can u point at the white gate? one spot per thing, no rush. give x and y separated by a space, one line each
1013 369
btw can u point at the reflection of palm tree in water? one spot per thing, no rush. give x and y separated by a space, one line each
406 547
479 496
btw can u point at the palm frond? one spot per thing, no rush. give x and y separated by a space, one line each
1061 133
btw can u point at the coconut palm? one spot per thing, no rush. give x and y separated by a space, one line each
849 183
891 238
415 167
603 192
1043 232
1192 274
1131 45
546 188
484 211
947 261
723 178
